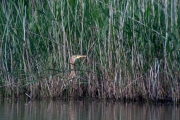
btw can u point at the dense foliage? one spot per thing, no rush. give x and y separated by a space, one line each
133 48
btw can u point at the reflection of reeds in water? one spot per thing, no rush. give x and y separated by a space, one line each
86 110
132 49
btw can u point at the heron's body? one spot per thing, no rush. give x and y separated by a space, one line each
72 62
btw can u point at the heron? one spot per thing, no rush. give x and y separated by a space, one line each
72 62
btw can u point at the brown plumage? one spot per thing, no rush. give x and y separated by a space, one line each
72 61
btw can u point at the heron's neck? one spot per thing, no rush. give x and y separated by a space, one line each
71 66
72 74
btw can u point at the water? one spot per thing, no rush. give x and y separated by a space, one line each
85 110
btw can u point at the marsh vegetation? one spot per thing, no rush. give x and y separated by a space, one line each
132 48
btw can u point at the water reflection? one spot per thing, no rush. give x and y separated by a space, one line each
85 110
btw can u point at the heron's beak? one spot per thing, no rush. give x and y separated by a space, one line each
80 56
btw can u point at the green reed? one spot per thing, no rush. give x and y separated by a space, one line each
133 48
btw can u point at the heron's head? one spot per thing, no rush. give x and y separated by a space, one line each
75 57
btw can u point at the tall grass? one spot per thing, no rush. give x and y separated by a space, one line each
133 48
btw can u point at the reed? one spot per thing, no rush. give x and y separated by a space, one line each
133 48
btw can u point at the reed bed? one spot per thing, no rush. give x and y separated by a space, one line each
132 48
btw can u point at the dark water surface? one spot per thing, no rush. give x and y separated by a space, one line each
85 110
